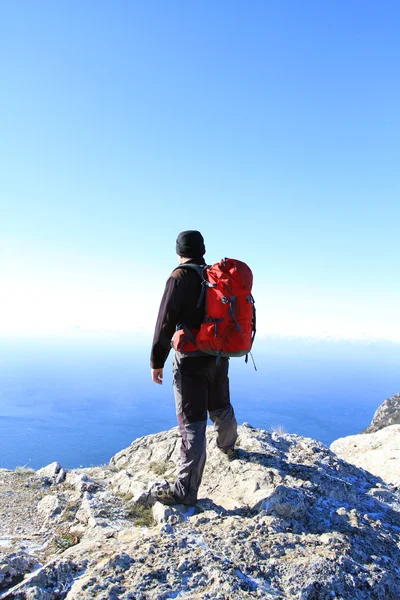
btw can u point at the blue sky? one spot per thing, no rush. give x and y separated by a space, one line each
273 127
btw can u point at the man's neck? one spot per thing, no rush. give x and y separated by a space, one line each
182 260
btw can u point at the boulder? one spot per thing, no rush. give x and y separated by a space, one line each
49 506
86 513
80 481
378 453
50 470
172 514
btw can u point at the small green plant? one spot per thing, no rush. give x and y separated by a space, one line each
142 516
66 540
159 467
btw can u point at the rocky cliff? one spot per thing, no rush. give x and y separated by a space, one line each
287 520
387 414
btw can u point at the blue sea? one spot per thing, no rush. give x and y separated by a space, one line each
80 401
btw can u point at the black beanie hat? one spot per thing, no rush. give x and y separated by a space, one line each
190 244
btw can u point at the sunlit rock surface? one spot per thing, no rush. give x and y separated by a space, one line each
288 520
377 448
377 452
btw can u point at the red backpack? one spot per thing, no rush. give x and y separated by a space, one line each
229 324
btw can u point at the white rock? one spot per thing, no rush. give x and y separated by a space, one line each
171 514
162 513
49 506
124 483
85 513
378 453
73 478
80 481
50 470
143 498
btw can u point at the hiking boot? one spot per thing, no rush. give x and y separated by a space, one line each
169 498
231 454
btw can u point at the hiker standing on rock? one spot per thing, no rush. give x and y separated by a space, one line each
201 384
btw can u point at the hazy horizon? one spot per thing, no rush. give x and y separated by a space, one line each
79 401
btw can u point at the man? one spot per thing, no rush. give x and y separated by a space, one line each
201 383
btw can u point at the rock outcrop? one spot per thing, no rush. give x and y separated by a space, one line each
288 520
377 448
387 414
378 453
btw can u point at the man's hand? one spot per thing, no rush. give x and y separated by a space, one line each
157 375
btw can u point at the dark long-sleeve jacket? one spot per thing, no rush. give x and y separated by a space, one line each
178 306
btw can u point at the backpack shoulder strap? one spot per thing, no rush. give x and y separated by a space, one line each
201 271
198 268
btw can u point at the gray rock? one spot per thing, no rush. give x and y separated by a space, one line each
14 566
99 511
286 502
388 413
50 582
61 476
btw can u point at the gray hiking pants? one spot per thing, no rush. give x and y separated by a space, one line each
201 388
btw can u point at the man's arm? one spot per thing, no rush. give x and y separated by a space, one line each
167 320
